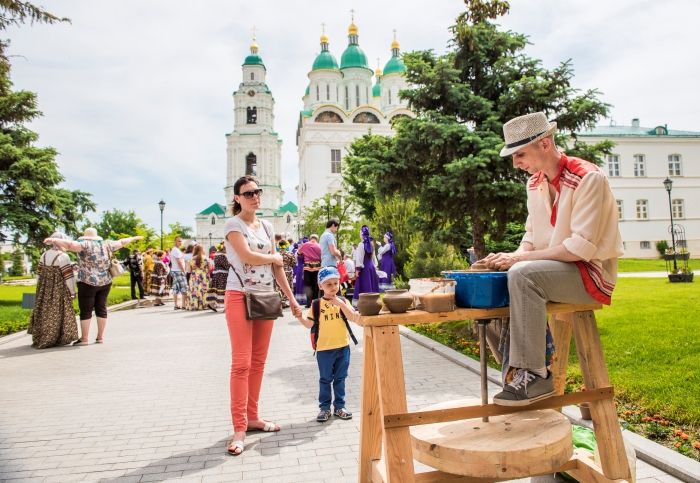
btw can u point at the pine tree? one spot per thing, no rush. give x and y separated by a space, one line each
17 269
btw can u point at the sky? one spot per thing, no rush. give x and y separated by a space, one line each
136 95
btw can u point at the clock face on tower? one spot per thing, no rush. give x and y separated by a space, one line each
251 93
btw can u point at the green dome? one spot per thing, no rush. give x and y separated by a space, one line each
377 89
253 59
353 57
394 66
325 60
308 89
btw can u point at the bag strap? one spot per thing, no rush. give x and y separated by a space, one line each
316 311
345 319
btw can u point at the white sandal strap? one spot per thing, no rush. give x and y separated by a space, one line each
269 426
236 444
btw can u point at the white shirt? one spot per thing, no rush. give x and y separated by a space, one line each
175 254
350 267
255 277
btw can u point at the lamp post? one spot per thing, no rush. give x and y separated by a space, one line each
322 203
301 224
161 205
334 203
668 184
209 241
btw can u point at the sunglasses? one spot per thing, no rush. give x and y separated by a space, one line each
249 194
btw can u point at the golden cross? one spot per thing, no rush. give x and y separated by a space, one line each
394 33
352 11
323 26
254 30
378 63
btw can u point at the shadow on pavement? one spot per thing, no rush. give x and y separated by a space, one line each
26 349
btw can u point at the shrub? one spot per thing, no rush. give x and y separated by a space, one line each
661 247
429 258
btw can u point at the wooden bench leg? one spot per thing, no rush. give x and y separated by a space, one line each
370 420
398 455
560 326
613 458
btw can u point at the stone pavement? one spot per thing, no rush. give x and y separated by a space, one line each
151 404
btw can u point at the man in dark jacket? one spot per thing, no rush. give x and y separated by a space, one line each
134 264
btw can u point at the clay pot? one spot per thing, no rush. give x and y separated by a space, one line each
398 301
369 304
585 411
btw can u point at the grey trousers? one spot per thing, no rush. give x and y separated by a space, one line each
531 286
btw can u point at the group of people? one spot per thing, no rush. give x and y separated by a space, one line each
200 280
568 254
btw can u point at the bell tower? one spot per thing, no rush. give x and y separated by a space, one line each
253 148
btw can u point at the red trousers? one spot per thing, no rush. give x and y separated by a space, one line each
250 340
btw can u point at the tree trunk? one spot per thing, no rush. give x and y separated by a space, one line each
478 226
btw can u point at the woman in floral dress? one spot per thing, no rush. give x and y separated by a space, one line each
219 277
199 280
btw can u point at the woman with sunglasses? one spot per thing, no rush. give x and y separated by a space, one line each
255 263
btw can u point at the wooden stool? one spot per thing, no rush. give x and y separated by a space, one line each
385 421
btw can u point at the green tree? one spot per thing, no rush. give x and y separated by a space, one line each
447 158
315 217
17 268
31 202
430 257
394 215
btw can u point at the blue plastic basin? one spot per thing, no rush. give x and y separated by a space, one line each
482 290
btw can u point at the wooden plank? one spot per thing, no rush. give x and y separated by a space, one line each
587 471
595 375
398 455
421 317
370 422
397 420
561 327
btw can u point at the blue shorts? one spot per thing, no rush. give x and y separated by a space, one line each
179 283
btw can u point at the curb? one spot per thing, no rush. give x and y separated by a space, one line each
112 308
675 464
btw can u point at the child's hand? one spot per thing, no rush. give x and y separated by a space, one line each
335 301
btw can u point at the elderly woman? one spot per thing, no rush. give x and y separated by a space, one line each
366 280
53 319
94 277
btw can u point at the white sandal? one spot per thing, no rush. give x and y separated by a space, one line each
233 445
269 427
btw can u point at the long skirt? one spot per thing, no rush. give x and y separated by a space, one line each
52 322
217 289
299 290
197 290
147 280
387 266
367 282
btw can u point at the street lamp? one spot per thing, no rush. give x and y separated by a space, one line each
334 202
301 224
209 241
322 203
668 184
161 205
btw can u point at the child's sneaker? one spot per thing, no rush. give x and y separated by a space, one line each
323 415
342 414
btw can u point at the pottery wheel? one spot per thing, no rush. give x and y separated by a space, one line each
511 446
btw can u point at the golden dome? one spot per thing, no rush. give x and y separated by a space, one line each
378 71
324 39
394 44
352 29
254 46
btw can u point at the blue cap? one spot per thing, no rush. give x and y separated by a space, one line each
328 273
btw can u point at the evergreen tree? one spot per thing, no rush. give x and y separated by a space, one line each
447 158
31 202
17 269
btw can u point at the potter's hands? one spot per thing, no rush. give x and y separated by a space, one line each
501 261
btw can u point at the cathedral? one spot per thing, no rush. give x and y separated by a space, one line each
253 148
341 104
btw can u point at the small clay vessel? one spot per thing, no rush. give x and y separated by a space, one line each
369 303
398 301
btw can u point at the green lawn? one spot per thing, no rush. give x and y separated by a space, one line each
643 265
13 318
20 277
122 281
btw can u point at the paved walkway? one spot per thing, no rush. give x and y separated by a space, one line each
151 404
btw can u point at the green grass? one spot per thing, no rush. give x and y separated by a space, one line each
13 318
123 280
20 277
643 265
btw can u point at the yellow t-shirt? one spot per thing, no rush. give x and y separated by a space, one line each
333 333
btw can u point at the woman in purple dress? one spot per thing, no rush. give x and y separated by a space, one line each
386 263
366 280
299 290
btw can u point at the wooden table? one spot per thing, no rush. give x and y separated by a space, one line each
385 419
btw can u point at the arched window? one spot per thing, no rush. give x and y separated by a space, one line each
317 96
366 118
213 220
347 99
357 96
329 116
251 165
388 91
289 219
252 117
252 76
328 92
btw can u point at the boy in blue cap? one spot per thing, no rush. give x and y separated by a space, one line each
328 321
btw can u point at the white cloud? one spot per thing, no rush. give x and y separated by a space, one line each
137 95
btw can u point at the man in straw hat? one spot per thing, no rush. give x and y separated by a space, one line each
568 254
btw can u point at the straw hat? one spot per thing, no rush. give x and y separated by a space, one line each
90 234
524 130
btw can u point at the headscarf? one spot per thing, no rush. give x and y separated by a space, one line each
60 236
390 237
283 244
366 239
304 240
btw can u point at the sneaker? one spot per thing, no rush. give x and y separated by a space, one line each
524 389
323 415
342 414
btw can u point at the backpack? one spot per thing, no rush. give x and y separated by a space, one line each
316 312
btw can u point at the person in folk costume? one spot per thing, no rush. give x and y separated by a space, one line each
219 277
289 264
159 286
366 280
386 262
299 290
